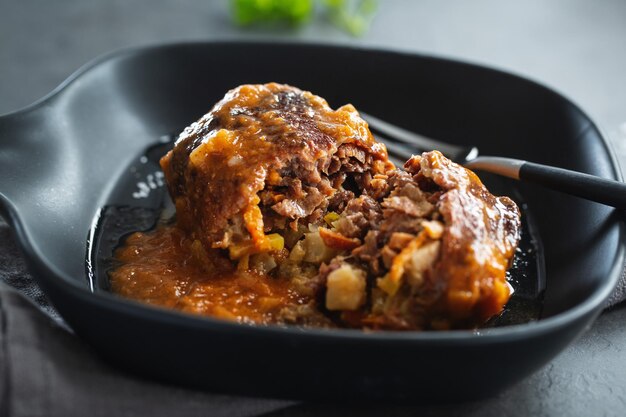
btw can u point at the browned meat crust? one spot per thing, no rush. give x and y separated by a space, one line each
436 247
265 158
303 194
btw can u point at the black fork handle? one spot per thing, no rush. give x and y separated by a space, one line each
601 190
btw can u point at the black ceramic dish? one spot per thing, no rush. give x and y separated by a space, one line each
61 160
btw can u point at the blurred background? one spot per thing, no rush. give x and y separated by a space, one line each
577 47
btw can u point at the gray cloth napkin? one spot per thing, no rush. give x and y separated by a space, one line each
47 371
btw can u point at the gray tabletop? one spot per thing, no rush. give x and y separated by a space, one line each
576 47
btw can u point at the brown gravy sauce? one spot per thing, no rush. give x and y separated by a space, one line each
159 267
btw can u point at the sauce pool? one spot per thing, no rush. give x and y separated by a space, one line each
159 267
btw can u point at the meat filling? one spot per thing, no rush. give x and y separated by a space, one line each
435 245
279 186
265 159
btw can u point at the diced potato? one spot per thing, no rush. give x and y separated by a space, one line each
421 259
345 288
297 253
315 251
433 228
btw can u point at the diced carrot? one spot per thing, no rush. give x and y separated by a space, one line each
337 240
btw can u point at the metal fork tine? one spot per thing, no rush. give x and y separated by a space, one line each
400 143
405 137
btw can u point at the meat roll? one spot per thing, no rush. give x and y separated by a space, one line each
266 159
288 187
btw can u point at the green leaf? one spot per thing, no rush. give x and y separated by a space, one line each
353 16
246 12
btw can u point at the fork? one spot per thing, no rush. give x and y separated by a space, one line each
402 143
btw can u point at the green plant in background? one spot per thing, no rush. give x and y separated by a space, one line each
293 12
353 16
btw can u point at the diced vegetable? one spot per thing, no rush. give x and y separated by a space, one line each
337 240
297 253
345 288
410 263
271 243
433 228
253 219
277 242
421 260
262 262
315 251
331 217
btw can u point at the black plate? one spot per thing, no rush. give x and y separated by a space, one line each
62 159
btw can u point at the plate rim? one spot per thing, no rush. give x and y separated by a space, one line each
47 273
